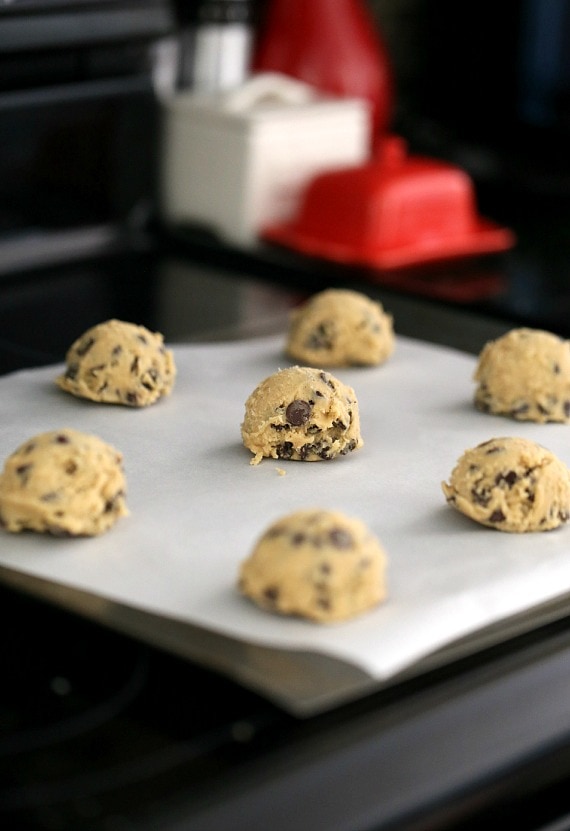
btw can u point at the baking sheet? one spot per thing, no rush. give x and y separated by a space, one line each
168 572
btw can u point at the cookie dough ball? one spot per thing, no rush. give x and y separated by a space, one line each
525 375
64 483
119 363
317 564
303 414
511 484
340 328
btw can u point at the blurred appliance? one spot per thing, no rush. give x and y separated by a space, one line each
216 44
341 53
77 119
237 160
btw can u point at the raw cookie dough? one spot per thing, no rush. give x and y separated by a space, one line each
301 413
339 327
525 374
62 482
317 564
119 363
511 484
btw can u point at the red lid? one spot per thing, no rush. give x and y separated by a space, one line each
391 214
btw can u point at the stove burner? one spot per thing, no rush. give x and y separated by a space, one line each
95 728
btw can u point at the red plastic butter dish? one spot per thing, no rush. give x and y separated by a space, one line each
393 212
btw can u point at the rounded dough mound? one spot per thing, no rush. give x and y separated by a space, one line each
525 374
119 363
316 564
339 327
62 482
511 484
302 414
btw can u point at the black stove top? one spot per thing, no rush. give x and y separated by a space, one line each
99 732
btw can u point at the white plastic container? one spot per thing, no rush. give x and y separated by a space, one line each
237 161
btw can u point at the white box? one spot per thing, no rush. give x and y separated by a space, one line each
238 161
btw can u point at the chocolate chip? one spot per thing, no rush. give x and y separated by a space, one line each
298 412
132 398
71 467
349 447
285 450
510 478
58 531
497 516
481 497
326 379
23 472
111 504
72 372
61 438
320 338
271 593
149 379
50 496
85 346
298 538
340 538
134 368
305 450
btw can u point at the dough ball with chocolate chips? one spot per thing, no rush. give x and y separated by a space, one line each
340 327
512 484
316 564
525 374
119 363
64 483
303 414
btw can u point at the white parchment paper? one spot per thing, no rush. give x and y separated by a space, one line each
197 505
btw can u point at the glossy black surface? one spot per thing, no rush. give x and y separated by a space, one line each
99 732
